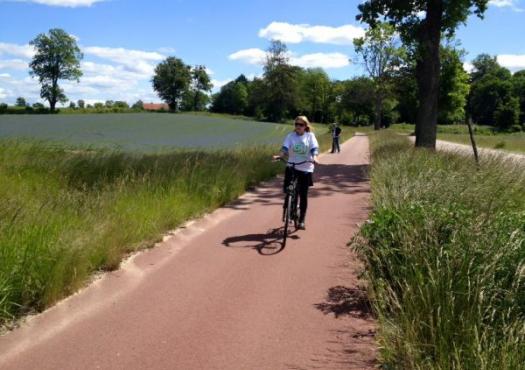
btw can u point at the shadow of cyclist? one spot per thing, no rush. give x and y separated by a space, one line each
267 244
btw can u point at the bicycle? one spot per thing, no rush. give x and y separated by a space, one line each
291 205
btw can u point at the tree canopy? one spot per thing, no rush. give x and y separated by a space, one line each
57 57
421 24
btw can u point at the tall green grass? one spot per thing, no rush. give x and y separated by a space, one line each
67 213
444 252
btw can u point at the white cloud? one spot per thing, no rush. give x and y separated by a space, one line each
323 60
250 56
134 60
217 84
297 33
166 50
21 51
513 4
514 62
11 64
3 93
468 67
64 3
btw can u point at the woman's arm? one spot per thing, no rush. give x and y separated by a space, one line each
282 154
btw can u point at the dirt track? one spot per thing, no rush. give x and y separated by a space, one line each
216 296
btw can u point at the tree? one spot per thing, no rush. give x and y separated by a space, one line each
20 102
138 105
232 98
518 83
39 106
507 113
355 101
72 105
57 58
121 104
315 92
454 87
81 104
485 64
381 56
200 87
281 82
3 107
171 80
491 91
439 18
257 93
109 103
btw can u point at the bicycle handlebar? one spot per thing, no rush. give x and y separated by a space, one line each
293 163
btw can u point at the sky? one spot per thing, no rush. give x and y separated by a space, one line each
123 40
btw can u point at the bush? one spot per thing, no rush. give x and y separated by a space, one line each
507 114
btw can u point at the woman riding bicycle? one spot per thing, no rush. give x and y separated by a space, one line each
300 146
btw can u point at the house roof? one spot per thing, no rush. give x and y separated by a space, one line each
156 106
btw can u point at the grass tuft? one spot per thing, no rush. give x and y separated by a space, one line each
444 252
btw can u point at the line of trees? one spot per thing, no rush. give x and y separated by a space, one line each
490 94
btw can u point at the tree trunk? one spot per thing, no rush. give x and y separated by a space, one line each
427 70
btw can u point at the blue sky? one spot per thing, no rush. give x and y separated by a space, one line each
123 40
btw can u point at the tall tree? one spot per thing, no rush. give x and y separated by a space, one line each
200 87
454 86
381 56
281 82
518 82
355 101
233 97
171 80
57 58
422 23
21 102
491 94
315 92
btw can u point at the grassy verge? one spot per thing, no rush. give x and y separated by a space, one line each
445 257
511 142
66 213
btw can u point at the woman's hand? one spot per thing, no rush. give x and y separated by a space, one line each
316 160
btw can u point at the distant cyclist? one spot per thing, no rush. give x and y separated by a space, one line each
300 146
336 134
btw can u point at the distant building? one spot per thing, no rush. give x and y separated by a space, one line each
156 106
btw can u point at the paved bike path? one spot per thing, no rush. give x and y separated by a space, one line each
216 296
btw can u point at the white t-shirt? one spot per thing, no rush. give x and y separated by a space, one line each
301 148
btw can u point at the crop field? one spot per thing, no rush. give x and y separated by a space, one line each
143 132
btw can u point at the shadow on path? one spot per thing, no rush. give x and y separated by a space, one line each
341 300
267 244
328 179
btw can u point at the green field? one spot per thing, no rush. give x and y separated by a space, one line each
145 132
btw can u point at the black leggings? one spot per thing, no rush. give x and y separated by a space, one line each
304 181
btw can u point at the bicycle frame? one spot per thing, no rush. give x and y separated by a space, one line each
290 206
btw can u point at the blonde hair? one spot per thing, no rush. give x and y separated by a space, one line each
305 120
